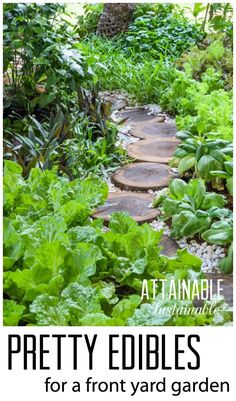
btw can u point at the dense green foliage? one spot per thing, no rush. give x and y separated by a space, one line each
66 270
39 49
206 158
193 211
50 119
190 206
160 31
60 266
87 23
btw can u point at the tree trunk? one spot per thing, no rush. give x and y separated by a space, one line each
115 18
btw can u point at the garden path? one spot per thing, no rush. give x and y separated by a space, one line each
155 148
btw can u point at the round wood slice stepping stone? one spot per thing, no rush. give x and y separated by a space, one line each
136 204
137 115
169 246
154 129
142 176
157 151
226 285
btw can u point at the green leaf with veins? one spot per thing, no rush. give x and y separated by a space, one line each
12 312
81 263
49 311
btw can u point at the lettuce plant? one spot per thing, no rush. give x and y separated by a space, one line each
62 268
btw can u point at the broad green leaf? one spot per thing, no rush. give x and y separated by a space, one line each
11 167
186 224
80 301
74 213
229 185
196 189
97 319
81 263
171 206
92 191
213 199
13 245
219 236
48 261
187 163
177 188
147 315
206 164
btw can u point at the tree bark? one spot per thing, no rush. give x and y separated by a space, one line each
115 19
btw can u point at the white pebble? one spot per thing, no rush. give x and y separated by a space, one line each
218 251
222 255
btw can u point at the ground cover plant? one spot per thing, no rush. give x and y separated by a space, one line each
61 266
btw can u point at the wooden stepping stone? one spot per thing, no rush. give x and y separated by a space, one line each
226 285
157 151
142 176
154 129
169 246
137 115
136 204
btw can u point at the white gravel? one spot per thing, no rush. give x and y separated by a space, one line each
156 110
112 187
210 254
153 109
124 137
